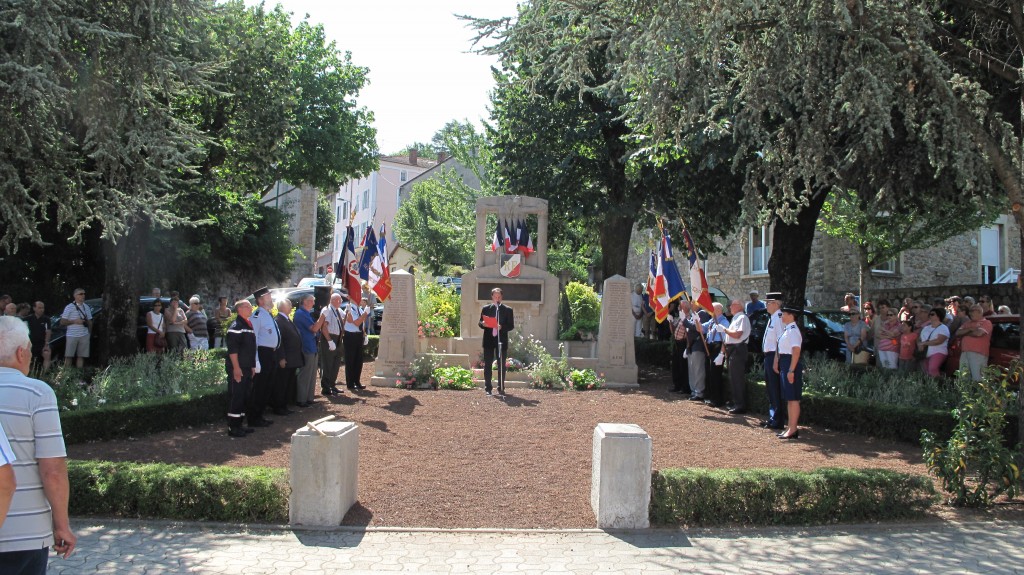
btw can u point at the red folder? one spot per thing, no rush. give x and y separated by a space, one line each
491 322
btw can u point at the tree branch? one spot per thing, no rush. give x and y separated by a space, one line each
984 60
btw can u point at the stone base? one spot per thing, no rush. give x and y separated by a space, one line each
620 492
324 474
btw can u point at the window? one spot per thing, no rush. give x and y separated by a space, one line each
759 249
886 267
366 198
402 176
990 252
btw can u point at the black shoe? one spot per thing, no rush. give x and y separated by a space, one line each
337 391
282 411
248 429
696 398
488 392
261 423
766 423
359 386
326 392
737 411
783 435
714 404
236 432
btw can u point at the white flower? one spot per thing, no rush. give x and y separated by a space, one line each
74 402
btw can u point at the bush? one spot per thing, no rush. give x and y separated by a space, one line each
548 372
702 497
421 371
585 379
914 389
437 310
162 491
974 464
653 352
454 377
143 418
584 308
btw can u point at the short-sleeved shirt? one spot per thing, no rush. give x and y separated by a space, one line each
179 321
75 311
928 332
267 332
241 341
790 338
773 332
37 327
715 336
974 343
197 323
29 415
335 319
352 315
303 322
753 306
7 456
854 331
740 323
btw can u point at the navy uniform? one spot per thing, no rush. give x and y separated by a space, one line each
268 339
791 338
241 343
769 345
713 394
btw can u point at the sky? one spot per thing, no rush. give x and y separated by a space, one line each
421 75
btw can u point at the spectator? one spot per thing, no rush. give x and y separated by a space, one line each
309 330
175 325
920 315
289 358
77 317
11 310
222 314
713 389
38 517
680 369
907 311
371 299
1004 310
934 339
908 343
869 314
155 324
39 334
648 317
887 343
854 334
754 304
24 309
956 314
849 303
7 480
198 335
155 293
976 336
4 300
637 303
986 305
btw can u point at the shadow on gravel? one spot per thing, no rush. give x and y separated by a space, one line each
404 406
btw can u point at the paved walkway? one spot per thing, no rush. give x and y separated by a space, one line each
162 548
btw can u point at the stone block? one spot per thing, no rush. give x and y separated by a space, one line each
324 473
620 493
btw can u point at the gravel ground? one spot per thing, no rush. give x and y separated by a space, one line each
462 459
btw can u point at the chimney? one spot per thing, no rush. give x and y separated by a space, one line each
441 157
414 156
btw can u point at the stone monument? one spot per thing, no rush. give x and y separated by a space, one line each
397 344
616 348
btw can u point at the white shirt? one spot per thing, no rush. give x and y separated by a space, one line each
740 323
156 319
353 314
74 311
791 337
928 332
772 333
637 301
334 319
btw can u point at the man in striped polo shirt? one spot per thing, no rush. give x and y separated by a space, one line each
7 483
38 517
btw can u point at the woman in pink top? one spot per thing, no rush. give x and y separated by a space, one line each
908 343
977 335
887 344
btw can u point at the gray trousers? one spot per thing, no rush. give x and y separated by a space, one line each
305 385
738 374
698 370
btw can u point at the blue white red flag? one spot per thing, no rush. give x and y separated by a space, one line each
348 265
674 283
698 281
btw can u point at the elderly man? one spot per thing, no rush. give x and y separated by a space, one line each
77 317
199 334
7 481
38 518
289 358
773 331
697 353
713 394
977 337
331 347
268 339
11 310
680 366
736 336
637 303
309 329
755 303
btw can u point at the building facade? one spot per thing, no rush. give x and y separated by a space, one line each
985 256
373 199
299 203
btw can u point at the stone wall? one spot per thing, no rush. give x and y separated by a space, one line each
834 267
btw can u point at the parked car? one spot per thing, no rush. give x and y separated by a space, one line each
58 333
312 281
296 294
821 336
1004 347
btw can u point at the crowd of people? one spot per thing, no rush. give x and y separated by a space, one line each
920 335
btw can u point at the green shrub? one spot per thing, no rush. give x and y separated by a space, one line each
524 348
974 464
143 418
653 352
584 308
421 371
437 310
914 389
163 491
702 497
454 377
549 373
585 379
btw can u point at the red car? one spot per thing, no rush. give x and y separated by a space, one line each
1004 348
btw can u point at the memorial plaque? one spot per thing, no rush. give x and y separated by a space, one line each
511 291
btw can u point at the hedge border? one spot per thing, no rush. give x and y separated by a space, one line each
717 497
135 419
165 491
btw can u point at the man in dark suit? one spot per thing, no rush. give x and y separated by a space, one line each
496 320
289 358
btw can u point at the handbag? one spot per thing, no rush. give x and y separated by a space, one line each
160 340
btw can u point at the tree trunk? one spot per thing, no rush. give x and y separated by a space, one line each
865 277
125 269
615 233
791 253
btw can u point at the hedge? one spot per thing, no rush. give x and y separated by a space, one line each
163 491
653 352
705 497
135 419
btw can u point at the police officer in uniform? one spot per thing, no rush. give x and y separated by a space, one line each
268 339
241 364
773 384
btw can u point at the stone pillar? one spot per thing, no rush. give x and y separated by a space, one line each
541 260
397 345
324 471
620 492
616 351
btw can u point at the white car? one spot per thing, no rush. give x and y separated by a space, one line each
311 281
